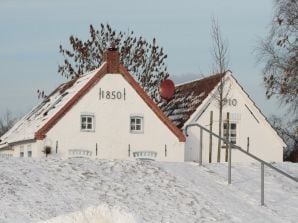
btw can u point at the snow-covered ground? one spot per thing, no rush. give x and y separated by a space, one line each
80 190
100 214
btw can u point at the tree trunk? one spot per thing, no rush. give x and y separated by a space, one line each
220 124
210 137
227 136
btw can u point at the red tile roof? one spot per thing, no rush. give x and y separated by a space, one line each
187 98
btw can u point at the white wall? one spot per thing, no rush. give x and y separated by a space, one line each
36 147
112 127
264 142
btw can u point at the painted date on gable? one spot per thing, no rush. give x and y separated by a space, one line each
112 94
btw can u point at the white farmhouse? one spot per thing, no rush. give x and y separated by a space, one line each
105 114
247 127
102 114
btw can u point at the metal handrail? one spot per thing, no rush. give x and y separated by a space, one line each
263 163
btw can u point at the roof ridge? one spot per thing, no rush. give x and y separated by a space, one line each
199 79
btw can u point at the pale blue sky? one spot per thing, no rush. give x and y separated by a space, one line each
32 30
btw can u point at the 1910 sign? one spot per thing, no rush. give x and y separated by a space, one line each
231 101
112 94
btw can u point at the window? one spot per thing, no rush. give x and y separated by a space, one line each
22 151
232 131
29 151
136 124
87 122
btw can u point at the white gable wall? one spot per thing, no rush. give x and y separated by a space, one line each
112 126
263 140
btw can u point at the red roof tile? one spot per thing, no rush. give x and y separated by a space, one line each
188 97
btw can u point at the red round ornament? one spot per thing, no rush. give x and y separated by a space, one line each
167 89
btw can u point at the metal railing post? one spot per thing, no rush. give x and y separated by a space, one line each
201 147
262 183
230 166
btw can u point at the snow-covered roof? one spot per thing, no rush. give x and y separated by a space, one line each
187 98
26 128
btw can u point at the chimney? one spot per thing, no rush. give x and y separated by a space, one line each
112 57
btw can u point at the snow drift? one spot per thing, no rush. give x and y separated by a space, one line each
80 190
100 214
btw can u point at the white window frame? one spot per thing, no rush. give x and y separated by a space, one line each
87 116
232 132
134 125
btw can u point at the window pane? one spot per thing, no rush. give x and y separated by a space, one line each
83 119
138 121
132 121
29 153
225 126
83 126
89 120
89 126
138 127
233 125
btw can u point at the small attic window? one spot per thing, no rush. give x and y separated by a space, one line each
136 124
87 123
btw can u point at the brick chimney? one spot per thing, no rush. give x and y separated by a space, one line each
112 57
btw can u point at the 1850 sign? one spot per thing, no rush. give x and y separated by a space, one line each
112 94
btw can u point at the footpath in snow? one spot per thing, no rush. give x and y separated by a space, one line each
80 190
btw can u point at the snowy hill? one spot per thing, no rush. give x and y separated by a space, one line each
82 190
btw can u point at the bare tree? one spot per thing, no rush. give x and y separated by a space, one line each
279 52
220 64
6 122
146 60
288 131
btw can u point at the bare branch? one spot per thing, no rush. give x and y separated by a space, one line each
219 49
145 60
220 63
6 122
279 53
